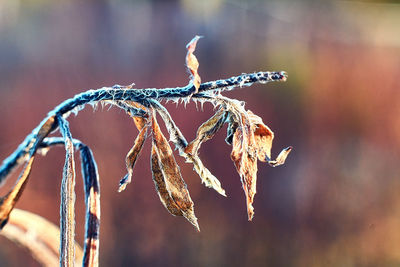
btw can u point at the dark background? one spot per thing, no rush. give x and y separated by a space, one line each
335 202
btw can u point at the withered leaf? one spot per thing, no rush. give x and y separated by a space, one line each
191 62
251 139
8 202
161 189
133 154
263 137
207 131
174 183
281 158
245 158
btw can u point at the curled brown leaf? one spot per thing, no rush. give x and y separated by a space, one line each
161 188
263 137
132 156
206 131
250 139
134 152
174 183
245 158
191 62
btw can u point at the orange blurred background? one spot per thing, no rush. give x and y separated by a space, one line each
335 202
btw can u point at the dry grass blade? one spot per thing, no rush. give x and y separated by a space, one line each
67 207
131 158
180 142
8 202
192 64
174 183
38 235
92 200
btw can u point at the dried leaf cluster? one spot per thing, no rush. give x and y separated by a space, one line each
250 138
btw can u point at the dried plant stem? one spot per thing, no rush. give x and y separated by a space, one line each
126 93
67 209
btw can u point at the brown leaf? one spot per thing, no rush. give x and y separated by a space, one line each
133 154
263 137
161 188
251 139
191 62
245 159
206 131
8 202
174 184
280 159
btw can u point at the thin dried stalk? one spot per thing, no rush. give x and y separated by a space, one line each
67 208
38 235
92 200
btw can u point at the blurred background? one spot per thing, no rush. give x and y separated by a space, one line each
335 202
